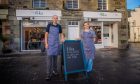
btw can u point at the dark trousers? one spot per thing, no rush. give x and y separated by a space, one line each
51 64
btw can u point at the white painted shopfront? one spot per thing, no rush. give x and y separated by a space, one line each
32 26
105 25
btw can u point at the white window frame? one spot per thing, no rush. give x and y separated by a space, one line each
39 4
72 4
73 23
102 4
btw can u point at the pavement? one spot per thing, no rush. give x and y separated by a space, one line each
111 66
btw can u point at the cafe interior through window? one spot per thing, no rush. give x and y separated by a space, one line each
97 30
32 35
33 38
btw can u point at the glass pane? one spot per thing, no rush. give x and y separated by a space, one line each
102 4
72 4
75 5
97 30
76 22
69 23
69 4
42 4
33 35
73 23
36 0
39 3
104 0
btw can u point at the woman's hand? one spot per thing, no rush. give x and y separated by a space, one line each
46 45
62 40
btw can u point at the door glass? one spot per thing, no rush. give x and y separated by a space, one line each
106 36
32 38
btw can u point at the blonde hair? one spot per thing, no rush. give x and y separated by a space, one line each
86 22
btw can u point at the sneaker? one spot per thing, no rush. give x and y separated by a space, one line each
55 73
48 78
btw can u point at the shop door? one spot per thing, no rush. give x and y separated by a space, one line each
106 41
73 30
73 33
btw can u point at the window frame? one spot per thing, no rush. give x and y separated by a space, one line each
72 4
73 23
40 2
103 4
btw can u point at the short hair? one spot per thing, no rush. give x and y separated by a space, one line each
86 22
54 16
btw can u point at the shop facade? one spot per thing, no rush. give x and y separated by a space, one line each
4 26
106 27
105 24
33 26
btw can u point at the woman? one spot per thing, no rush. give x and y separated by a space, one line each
88 37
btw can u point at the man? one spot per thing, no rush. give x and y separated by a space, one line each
53 31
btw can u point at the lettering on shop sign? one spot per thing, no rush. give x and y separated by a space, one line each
103 14
72 53
38 13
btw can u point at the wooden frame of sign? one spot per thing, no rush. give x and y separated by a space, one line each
74 58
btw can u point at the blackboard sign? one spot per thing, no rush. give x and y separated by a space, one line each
74 59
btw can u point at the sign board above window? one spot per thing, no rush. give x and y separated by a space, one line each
38 13
105 15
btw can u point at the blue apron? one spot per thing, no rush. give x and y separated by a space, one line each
88 43
53 41
89 48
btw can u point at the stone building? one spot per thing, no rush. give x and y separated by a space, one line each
134 25
28 19
4 25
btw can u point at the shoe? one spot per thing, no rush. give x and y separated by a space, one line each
48 78
54 73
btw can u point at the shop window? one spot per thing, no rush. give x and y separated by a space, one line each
39 4
102 5
72 4
33 38
97 30
33 35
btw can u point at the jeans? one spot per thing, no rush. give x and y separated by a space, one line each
89 65
51 64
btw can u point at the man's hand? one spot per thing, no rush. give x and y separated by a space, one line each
46 40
